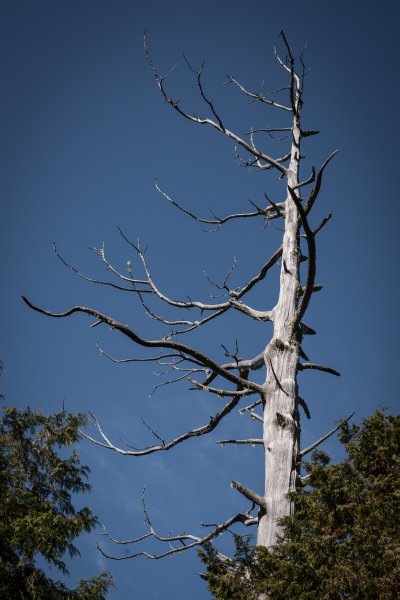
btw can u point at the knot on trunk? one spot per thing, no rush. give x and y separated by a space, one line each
282 420
274 346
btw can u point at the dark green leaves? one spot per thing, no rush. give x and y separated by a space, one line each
344 539
37 515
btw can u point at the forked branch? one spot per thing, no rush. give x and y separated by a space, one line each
185 541
162 446
160 80
163 343
269 212
223 306
261 97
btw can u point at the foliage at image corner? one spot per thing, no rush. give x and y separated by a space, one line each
37 515
343 540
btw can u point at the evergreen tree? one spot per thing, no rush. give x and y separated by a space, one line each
343 540
37 516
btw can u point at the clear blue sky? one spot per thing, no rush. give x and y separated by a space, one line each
84 134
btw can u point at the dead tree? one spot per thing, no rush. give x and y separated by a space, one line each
282 358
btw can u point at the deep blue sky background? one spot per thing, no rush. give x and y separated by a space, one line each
84 134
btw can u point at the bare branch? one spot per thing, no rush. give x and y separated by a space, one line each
163 343
270 130
260 97
252 364
249 407
191 325
224 284
316 288
306 181
323 223
304 406
187 372
219 392
295 86
207 428
306 330
261 275
249 494
251 441
256 417
278 207
257 163
324 437
202 94
309 132
162 442
307 365
150 313
218 308
206 121
99 281
137 359
315 191
270 212
185 541
223 306
311 271
259 315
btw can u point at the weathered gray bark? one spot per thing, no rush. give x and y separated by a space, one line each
281 416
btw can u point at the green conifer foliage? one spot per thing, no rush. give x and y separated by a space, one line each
37 515
343 541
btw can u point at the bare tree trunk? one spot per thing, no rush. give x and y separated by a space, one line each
281 432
